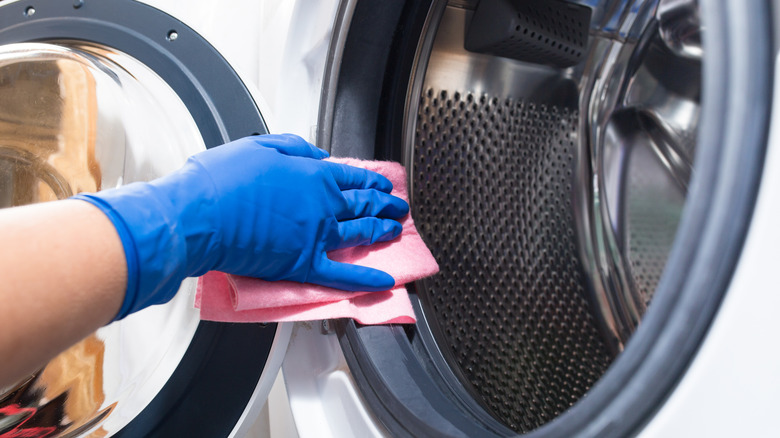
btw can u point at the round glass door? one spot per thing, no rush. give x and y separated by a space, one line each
78 117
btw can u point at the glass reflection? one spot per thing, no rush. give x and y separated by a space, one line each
77 118
47 131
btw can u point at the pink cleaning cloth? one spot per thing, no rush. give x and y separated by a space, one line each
232 298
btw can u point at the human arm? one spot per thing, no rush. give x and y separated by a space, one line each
264 206
62 275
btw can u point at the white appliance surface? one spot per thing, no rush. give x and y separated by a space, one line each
277 47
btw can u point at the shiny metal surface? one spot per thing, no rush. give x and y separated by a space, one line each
449 66
635 98
643 110
78 117
681 27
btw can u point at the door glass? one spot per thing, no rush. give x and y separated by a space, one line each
74 118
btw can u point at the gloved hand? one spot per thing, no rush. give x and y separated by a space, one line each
263 206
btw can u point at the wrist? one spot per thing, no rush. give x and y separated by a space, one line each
155 249
128 246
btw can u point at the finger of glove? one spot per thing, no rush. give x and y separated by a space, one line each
292 145
366 231
350 177
349 277
368 203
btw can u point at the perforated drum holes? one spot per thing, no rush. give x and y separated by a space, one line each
548 32
492 185
654 207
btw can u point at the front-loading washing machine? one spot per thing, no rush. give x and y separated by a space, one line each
595 178
597 182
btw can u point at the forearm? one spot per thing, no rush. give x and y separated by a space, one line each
62 276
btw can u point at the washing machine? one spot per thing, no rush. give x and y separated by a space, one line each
595 179
598 183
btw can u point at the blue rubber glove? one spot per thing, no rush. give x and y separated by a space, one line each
263 206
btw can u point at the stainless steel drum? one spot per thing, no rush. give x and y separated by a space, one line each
551 198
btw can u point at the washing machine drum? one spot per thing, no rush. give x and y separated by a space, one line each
582 171
94 95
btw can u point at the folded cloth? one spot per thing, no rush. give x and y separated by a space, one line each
231 298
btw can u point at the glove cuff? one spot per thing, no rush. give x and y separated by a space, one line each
131 254
155 249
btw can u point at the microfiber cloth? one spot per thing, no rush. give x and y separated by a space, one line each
232 298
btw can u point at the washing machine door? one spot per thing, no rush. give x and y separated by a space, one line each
585 173
94 95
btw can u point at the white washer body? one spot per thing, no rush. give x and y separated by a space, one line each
277 47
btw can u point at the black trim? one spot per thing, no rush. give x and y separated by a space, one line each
737 92
368 115
356 114
219 102
432 404
210 388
